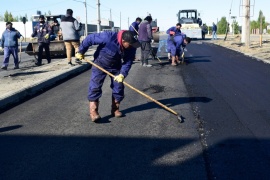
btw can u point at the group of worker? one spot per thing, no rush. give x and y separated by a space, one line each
176 44
68 30
44 32
115 53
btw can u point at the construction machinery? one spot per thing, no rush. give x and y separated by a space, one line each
155 30
191 24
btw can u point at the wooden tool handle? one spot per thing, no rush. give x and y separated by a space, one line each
133 88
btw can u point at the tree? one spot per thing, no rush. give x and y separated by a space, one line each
264 25
257 24
235 27
8 17
254 25
222 26
16 19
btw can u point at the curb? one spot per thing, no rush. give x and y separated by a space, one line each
33 89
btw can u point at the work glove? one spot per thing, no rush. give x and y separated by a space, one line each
79 56
119 78
47 36
32 38
1 49
172 33
21 38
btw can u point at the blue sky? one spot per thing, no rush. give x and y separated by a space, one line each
163 10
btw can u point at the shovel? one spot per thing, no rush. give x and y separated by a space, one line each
179 118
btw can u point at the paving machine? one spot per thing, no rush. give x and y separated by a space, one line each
191 24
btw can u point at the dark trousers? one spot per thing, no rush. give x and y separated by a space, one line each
96 82
42 46
145 51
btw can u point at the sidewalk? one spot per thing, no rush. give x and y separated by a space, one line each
17 85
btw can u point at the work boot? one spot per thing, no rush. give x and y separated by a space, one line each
70 63
17 66
93 108
115 109
38 64
78 61
4 67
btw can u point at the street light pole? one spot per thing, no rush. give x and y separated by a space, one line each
98 15
86 28
86 25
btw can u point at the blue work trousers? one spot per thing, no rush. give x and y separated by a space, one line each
171 47
7 52
96 82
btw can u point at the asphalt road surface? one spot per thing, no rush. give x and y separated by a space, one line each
222 95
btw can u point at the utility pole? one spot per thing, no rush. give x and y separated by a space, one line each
261 29
86 26
110 14
98 15
233 23
246 24
120 20
85 6
128 21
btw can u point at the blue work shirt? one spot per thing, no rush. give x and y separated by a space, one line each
109 54
134 27
174 29
10 38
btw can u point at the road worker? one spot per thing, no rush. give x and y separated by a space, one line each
9 44
70 28
173 31
176 47
42 30
145 38
134 27
115 53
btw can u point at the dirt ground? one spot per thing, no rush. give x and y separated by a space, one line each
261 53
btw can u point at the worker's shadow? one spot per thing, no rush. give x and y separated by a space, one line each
152 105
26 73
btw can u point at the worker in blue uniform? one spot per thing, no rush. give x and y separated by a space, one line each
115 53
172 31
175 47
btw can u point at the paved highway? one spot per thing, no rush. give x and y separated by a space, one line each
222 95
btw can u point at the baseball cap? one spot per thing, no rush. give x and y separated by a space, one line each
129 37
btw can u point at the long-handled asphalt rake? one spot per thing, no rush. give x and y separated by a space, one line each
179 117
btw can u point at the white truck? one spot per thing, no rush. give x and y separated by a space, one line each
191 24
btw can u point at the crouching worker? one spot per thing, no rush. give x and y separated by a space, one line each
175 46
115 53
